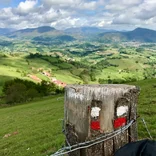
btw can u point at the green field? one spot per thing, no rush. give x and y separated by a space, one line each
20 67
147 107
39 123
123 62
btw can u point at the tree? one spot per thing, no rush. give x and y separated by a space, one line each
28 62
102 81
32 93
92 76
139 50
16 93
46 88
18 90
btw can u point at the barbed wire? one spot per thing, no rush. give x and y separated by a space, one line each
95 141
146 128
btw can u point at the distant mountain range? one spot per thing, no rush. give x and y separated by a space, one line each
34 32
46 33
4 31
138 35
86 30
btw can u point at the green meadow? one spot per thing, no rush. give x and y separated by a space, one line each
147 107
77 65
39 123
37 126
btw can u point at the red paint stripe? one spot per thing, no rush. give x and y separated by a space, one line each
95 125
119 122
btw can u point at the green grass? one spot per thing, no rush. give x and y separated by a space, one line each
16 66
67 77
38 125
2 81
147 107
19 66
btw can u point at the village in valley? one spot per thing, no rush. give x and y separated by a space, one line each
48 75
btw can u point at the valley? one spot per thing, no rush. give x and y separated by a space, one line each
80 62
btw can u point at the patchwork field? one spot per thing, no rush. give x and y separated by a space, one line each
80 62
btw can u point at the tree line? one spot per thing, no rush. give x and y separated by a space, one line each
19 90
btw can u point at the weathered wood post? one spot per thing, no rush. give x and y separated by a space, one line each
95 110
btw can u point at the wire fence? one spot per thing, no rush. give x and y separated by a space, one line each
83 145
143 120
87 144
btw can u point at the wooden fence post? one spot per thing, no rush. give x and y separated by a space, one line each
93 110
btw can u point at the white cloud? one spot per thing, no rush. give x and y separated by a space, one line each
103 23
89 6
122 4
68 4
71 13
60 3
5 14
126 19
68 22
25 7
146 10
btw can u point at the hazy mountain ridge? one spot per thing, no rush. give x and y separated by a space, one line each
38 29
142 35
34 32
138 34
4 31
81 33
87 30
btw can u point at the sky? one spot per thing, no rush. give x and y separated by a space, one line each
63 14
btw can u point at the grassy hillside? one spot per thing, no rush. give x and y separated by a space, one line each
38 127
124 61
83 66
38 124
147 107
33 32
2 81
20 66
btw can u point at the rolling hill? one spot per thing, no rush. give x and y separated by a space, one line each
137 35
86 33
4 31
41 35
86 30
46 33
142 35
34 32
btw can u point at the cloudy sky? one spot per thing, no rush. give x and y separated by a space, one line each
61 14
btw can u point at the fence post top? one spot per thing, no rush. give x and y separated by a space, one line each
101 86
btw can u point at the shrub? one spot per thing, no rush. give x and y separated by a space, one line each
18 90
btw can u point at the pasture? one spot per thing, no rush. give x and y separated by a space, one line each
32 128
35 128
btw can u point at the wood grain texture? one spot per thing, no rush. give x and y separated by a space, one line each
80 99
